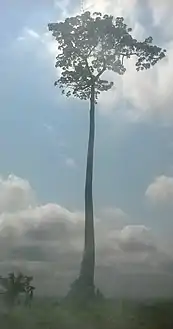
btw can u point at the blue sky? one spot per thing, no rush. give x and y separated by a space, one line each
30 103
43 136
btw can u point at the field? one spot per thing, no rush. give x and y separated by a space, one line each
106 314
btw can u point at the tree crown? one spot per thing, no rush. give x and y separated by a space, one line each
90 44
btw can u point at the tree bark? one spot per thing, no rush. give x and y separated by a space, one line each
88 262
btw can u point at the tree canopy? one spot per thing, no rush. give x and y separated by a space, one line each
90 44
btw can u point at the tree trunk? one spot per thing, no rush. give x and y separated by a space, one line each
83 287
88 262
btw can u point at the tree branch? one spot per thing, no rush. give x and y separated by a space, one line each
87 65
131 54
87 86
91 50
122 62
101 72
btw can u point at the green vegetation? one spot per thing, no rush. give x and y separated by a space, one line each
109 314
14 286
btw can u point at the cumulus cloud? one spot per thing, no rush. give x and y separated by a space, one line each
47 239
15 194
145 94
51 225
136 238
161 190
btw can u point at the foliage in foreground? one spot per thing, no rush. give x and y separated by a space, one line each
14 286
107 314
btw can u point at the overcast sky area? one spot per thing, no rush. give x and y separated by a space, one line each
43 140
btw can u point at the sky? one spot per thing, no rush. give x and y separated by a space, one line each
43 143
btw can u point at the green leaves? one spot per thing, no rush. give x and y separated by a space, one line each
90 44
15 285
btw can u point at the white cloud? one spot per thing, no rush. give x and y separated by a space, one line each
71 163
162 10
15 194
34 237
32 33
132 244
148 93
109 215
28 33
136 238
51 223
42 44
116 8
161 190
62 5
35 223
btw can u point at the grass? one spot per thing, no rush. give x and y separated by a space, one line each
106 314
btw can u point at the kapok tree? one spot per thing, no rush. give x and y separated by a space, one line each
89 45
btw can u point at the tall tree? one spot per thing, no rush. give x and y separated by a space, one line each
89 45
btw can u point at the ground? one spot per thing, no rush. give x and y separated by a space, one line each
106 314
